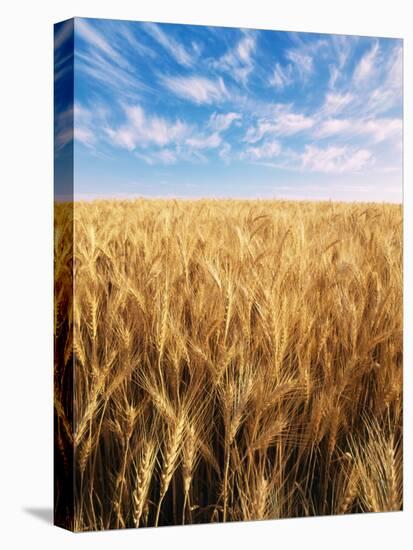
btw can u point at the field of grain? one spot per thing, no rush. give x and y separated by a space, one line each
229 360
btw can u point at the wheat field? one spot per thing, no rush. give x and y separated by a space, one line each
229 360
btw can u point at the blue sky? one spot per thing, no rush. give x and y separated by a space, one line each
194 111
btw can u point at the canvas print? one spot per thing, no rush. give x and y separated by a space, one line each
228 274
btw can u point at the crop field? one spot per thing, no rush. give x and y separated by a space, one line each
229 360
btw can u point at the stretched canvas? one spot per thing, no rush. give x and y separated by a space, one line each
228 274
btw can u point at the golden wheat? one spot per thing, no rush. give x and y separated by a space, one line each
228 360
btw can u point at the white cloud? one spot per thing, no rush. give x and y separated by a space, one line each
85 136
107 59
375 88
136 46
205 142
267 150
336 102
341 49
245 48
238 61
177 50
331 127
97 40
367 65
378 129
155 139
382 129
197 47
293 123
120 80
334 75
343 46
302 56
81 113
284 124
83 124
302 61
282 76
389 93
143 130
395 67
122 137
222 121
335 159
198 89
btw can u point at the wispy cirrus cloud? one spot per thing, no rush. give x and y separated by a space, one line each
105 58
85 135
237 62
283 123
84 126
211 138
142 130
303 62
331 127
335 160
205 142
335 103
136 46
95 39
266 150
332 159
222 121
302 55
388 92
282 76
366 67
107 74
300 64
334 76
342 47
172 46
378 129
197 89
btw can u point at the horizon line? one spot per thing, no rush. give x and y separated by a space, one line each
106 198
